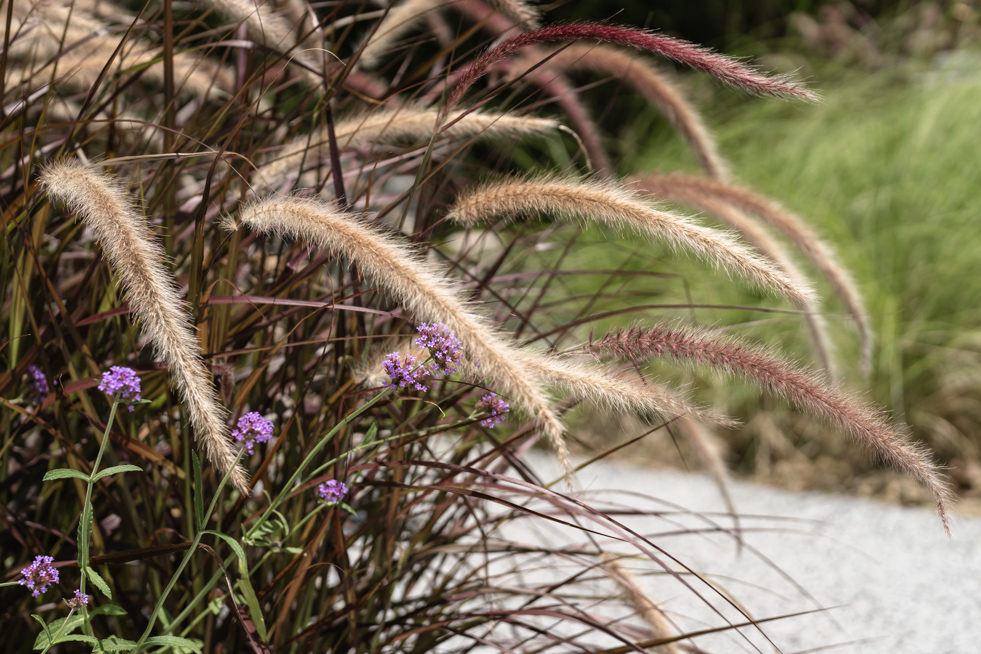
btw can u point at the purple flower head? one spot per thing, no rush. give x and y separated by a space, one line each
443 345
40 383
252 428
497 408
404 372
332 491
39 575
121 383
80 600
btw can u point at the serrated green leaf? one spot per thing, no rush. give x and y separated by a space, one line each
173 641
44 639
116 644
239 552
255 612
108 609
76 638
115 470
98 581
65 473
198 491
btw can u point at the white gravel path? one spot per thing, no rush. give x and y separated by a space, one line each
889 578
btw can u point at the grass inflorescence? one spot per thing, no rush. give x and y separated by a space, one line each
310 223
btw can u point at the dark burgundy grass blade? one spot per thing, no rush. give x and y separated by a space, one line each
726 69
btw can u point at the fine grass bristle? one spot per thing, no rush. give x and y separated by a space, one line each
412 124
270 29
641 74
648 611
150 290
769 247
614 391
805 389
399 20
419 285
697 190
618 207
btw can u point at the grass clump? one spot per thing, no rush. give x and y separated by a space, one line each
278 244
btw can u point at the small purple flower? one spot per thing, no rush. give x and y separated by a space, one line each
121 383
332 491
252 428
80 600
39 575
444 347
40 383
405 372
497 407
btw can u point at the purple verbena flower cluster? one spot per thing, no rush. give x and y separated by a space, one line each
39 575
40 383
332 491
80 600
404 372
252 428
497 408
121 383
443 345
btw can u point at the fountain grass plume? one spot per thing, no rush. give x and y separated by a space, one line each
411 123
726 69
757 235
152 295
613 391
399 20
699 190
616 206
416 283
639 73
521 13
807 390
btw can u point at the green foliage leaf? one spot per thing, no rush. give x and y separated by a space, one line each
108 609
372 433
63 625
115 470
115 644
255 611
65 473
44 625
98 581
173 641
234 544
198 491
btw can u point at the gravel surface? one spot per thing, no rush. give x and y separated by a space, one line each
883 578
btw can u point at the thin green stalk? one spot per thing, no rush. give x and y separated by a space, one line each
86 526
187 558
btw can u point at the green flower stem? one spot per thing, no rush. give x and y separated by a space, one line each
309 459
86 527
187 559
54 639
